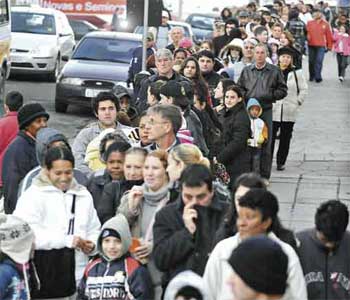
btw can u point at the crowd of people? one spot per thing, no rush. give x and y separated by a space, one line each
165 195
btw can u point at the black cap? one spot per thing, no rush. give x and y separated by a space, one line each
29 112
261 263
287 50
109 232
181 91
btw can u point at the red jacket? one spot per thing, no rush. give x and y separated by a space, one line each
319 34
8 131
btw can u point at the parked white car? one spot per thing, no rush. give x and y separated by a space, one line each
40 38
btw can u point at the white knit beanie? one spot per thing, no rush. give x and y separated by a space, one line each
16 238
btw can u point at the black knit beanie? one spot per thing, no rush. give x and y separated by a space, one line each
29 112
261 263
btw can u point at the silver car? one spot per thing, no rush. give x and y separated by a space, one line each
40 38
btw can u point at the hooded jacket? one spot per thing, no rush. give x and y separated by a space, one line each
44 138
85 136
327 274
257 126
48 211
217 271
221 41
106 279
182 280
18 160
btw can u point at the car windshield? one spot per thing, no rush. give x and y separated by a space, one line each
104 49
33 23
202 22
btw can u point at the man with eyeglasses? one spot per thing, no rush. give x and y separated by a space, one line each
164 121
164 64
248 55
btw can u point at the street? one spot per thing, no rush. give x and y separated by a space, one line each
318 167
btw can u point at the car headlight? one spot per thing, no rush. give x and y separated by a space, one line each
72 81
122 83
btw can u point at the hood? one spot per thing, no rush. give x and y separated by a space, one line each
185 279
44 138
30 41
99 70
254 102
17 238
120 224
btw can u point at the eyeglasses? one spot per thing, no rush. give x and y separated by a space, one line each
153 122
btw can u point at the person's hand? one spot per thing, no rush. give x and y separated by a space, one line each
87 247
143 251
189 216
78 242
135 197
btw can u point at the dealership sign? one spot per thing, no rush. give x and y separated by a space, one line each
87 7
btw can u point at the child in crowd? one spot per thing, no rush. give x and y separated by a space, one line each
342 48
115 275
16 243
274 44
259 134
153 92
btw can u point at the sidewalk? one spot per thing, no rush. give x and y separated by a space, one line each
318 166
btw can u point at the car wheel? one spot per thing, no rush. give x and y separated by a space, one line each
56 71
60 107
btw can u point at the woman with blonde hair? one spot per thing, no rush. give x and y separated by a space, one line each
181 157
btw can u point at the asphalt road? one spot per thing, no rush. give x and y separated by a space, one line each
37 89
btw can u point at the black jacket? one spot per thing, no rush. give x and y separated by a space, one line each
236 133
96 185
111 196
19 159
327 274
267 85
175 248
212 79
141 99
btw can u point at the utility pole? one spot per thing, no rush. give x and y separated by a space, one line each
181 5
145 32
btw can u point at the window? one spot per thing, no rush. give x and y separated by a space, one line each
4 12
33 23
113 50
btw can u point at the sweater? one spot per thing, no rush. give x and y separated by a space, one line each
341 43
217 271
327 274
8 131
319 34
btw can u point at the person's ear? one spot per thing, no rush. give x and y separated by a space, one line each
6 109
267 224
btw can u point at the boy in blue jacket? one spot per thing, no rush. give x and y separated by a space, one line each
16 244
115 275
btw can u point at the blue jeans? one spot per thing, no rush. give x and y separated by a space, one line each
316 55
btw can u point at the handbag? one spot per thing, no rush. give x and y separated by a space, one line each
56 269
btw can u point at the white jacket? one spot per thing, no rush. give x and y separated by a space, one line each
217 271
286 110
48 211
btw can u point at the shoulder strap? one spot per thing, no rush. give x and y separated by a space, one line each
71 221
296 81
131 265
90 265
